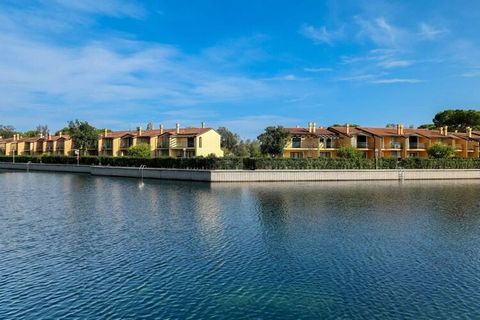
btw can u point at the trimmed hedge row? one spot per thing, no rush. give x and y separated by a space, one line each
257 163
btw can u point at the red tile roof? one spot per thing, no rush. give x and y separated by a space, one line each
304 131
343 130
187 131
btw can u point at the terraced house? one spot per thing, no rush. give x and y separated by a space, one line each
177 142
51 145
397 142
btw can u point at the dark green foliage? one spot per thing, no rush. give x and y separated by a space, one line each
212 163
141 150
7 131
348 152
229 141
458 119
84 136
273 140
440 151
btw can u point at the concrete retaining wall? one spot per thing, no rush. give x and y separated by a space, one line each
253 176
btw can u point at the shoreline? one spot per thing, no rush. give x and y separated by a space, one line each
218 176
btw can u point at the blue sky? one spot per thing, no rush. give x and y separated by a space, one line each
241 64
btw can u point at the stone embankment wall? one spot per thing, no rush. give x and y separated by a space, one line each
252 175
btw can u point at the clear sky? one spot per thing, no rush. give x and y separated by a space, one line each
241 64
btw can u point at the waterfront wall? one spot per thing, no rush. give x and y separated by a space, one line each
253 175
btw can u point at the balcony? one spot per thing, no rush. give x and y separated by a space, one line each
362 145
417 145
394 145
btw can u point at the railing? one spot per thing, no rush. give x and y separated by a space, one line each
417 145
395 145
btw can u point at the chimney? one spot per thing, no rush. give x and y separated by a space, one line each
441 131
309 127
314 127
161 129
60 133
41 135
203 125
469 132
15 137
401 129
139 131
177 126
49 136
348 128
445 130
105 132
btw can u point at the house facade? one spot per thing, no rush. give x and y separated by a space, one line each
395 142
178 142
51 145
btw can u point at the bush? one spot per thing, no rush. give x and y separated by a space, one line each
440 151
211 163
141 150
348 152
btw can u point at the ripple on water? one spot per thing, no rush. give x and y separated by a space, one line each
83 247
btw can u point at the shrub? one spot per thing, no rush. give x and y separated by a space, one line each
440 151
231 163
348 152
141 150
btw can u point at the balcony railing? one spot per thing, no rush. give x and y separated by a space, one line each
417 145
395 145
362 145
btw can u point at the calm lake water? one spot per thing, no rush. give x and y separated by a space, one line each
78 246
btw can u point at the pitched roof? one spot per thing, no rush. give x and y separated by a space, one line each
464 135
427 133
383 132
186 131
343 130
319 132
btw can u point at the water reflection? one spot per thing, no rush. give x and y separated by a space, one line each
95 247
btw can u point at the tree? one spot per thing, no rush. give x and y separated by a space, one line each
440 151
458 119
352 125
229 140
83 134
273 140
254 148
429 126
7 131
141 150
390 125
149 126
40 129
348 152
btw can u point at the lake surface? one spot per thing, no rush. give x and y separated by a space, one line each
87 247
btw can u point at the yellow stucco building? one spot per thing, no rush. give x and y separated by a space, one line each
397 142
178 142
51 145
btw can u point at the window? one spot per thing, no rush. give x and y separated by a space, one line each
328 143
200 142
362 142
190 142
296 142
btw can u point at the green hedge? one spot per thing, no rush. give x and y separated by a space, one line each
257 163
